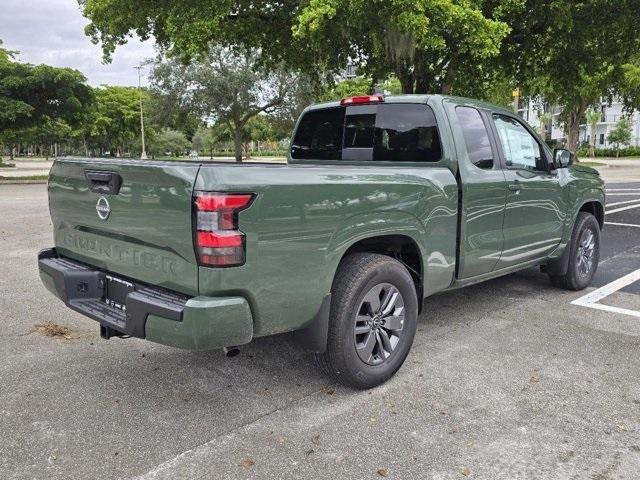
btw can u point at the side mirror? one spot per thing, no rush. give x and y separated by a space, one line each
562 158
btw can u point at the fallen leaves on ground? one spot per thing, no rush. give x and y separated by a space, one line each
534 379
247 463
382 472
466 471
51 329
621 428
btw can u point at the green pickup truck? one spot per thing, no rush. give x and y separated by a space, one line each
383 202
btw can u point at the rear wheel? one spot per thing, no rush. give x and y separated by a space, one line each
583 256
374 310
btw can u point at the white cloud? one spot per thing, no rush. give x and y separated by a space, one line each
52 32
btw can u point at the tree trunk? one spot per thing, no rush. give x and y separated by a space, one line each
237 142
573 125
406 81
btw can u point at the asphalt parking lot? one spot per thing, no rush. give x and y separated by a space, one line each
506 380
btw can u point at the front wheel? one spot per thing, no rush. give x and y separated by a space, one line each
374 310
584 254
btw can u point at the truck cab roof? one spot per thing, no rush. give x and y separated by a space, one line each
422 98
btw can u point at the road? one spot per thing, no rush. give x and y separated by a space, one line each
506 380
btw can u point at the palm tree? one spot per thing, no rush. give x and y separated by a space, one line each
593 118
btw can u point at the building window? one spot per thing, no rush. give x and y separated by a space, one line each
602 139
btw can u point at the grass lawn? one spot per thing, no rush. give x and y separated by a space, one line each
591 164
25 179
589 159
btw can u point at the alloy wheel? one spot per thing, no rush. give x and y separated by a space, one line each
378 323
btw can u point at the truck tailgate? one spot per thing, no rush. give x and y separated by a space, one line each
144 231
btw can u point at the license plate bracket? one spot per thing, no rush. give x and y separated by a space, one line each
116 291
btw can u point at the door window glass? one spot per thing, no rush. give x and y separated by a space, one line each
476 137
520 148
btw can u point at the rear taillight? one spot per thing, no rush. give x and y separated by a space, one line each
218 241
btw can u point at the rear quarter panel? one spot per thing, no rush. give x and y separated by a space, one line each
304 218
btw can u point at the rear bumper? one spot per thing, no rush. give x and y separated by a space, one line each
156 314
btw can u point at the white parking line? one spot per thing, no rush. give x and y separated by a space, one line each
622 224
592 299
630 194
621 209
623 189
623 203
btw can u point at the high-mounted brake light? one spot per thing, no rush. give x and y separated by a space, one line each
362 99
219 243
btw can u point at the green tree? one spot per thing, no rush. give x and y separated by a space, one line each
170 142
226 87
209 138
564 50
430 45
116 122
259 129
621 134
39 96
593 118
347 88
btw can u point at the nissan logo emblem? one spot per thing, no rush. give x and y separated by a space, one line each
103 209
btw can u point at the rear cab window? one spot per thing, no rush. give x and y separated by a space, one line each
394 132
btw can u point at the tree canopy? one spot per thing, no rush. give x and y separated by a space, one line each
430 45
573 53
40 99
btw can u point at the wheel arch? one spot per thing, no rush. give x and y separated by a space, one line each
595 208
398 246
402 247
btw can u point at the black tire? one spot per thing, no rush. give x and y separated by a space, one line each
358 278
576 277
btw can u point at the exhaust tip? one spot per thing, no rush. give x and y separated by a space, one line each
231 351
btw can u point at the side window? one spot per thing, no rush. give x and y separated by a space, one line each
406 133
520 148
319 135
475 137
396 132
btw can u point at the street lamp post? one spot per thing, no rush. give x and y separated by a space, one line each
143 153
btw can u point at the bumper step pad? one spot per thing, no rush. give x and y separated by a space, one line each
82 288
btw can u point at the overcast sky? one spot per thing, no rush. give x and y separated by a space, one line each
52 32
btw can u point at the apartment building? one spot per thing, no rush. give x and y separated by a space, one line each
610 115
531 108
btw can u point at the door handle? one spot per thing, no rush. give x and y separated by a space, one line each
515 187
103 182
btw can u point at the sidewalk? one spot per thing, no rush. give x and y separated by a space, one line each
617 170
26 169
